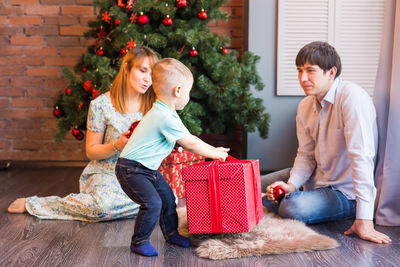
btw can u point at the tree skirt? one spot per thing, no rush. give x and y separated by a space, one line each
273 235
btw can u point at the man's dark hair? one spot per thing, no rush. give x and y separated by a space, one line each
319 53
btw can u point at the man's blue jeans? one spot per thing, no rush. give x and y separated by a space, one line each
312 206
149 189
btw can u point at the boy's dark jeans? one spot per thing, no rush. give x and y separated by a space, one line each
149 189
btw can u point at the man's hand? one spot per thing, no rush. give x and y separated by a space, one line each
288 187
365 230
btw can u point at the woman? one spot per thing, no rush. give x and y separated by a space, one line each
110 115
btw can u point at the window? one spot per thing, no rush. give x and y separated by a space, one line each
353 27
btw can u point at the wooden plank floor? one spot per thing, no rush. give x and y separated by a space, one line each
27 241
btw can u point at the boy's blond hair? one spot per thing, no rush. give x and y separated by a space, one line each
169 73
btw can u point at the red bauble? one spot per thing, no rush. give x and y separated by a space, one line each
100 52
143 19
80 136
117 22
84 69
67 91
181 3
278 193
122 51
167 21
193 53
95 93
202 15
88 85
225 51
75 131
56 112
132 128
80 106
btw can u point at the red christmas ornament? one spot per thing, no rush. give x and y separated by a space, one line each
143 19
132 128
56 112
225 51
101 33
117 22
167 21
95 93
84 69
202 15
122 51
130 44
278 193
80 136
181 3
80 106
120 3
193 52
67 91
88 86
106 16
75 131
100 52
133 18
130 3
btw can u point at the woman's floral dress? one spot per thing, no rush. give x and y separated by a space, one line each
101 197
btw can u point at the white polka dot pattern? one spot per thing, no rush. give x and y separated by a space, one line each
240 192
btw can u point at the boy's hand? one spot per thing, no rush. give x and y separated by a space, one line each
289 188
221 153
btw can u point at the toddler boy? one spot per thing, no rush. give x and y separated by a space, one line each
152 141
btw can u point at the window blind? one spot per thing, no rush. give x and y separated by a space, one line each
353 27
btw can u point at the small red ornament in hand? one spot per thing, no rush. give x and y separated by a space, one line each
278 193
132 128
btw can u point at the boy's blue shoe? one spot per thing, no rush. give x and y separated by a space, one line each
145 249
179 240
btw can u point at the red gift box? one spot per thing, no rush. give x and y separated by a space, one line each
171 168
223 197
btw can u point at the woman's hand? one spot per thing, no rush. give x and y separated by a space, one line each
96 150
120 143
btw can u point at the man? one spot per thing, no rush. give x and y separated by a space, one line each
337 136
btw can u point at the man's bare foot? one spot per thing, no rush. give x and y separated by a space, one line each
18 206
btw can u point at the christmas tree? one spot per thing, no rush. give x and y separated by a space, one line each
220 99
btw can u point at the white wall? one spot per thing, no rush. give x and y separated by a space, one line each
279 150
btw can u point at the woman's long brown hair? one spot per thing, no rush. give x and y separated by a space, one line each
119 87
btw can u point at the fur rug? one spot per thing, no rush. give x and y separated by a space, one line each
273 235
